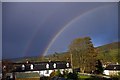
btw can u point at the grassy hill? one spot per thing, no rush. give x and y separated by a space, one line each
109 53
114 45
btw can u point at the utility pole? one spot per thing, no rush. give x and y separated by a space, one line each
71 60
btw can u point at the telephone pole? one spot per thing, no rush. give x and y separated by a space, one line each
71 60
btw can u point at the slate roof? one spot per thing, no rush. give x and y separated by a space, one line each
113 67
38 66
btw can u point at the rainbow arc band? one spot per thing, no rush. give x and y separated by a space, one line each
70 23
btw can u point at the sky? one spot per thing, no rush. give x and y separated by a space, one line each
42 28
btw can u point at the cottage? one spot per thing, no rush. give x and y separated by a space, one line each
112 69
43 68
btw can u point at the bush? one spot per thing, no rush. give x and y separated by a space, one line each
72 76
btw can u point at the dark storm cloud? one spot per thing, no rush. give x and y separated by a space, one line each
28 28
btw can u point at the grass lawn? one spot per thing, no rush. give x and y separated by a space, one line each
91 77
83 77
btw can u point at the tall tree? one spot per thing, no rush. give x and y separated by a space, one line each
83 54
99 67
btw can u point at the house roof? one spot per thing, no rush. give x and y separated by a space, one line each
38 66
113 67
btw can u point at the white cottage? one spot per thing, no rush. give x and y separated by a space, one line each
112 69
43 68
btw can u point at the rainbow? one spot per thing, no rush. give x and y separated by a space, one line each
70 23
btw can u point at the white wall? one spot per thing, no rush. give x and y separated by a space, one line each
111 72
106 72
48 72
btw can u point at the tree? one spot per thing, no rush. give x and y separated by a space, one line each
7 67
99 67
83 54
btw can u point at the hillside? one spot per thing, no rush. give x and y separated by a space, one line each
109 53
114 45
